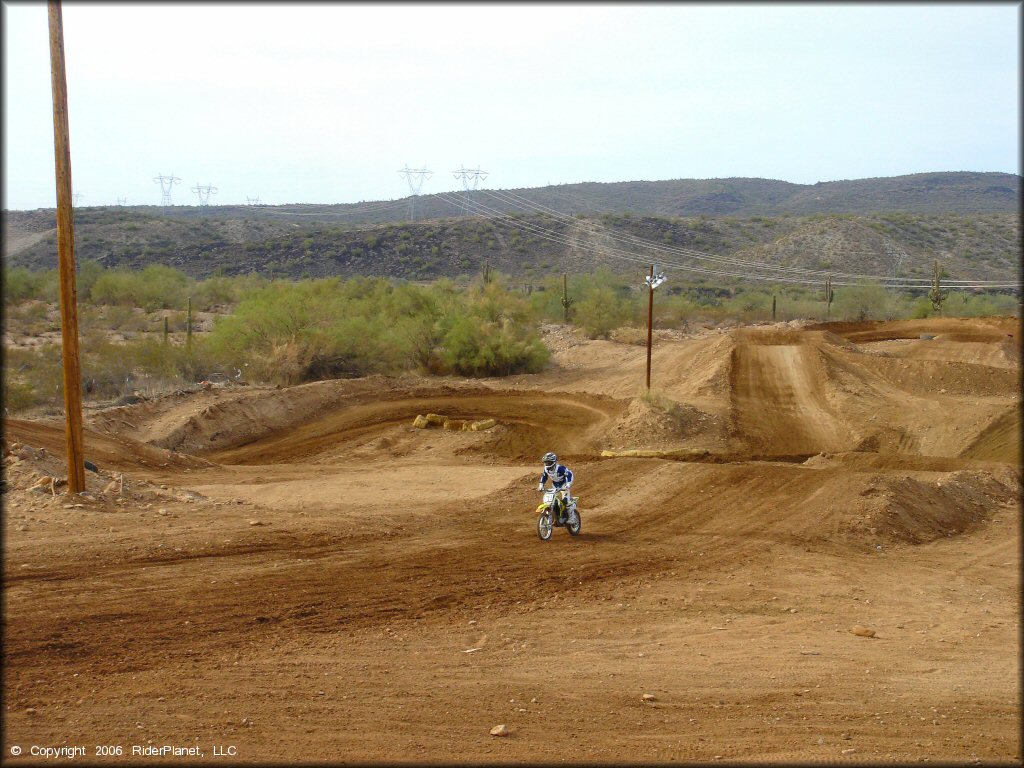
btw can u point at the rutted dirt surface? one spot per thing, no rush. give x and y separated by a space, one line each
301 575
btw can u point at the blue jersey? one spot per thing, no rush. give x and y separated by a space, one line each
559 476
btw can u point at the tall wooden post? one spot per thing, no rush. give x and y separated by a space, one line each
828 297
188 324
650 324
773 307
66 256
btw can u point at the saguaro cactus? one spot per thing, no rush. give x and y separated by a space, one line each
566 301
936 294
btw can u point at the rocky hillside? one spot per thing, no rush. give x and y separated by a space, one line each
969 221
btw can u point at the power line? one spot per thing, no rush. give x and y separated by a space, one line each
166 182
632 256
203 192
415 177
510 198
465 174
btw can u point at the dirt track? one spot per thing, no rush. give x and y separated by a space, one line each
301 574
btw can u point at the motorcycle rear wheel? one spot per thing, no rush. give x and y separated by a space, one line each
574 523
545 526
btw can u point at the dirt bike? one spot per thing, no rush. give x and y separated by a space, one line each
547 518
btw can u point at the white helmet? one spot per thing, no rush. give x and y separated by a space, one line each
549 459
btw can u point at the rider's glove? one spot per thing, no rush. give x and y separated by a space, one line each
540 487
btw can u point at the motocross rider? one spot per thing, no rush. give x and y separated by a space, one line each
561 480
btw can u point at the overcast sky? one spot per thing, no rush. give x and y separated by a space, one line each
324 103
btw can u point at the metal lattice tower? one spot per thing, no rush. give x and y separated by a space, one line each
76 197
203 192
122 200
415 177
253 200
898 256
166 182
466 174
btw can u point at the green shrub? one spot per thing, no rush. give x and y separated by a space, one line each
155 287
601 311
333 328
18 396
21 284
472 348
869 301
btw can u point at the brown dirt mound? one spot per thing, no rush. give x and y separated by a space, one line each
780 400
44 471
665 425
986 329
916 511
531 423
1000 441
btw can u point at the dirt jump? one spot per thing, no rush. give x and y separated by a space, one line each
821 564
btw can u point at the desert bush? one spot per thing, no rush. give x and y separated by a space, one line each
18 396
155 287
87 273
29 317
673 310
868 301
601 311
334 328
107 368
491 348
21 284
965 304
33 377
124 318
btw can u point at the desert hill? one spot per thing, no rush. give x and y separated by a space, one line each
970 221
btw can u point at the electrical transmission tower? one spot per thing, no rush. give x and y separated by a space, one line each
253 200
122 200
166 182
466 174
415 177
203 192
898 256
77 196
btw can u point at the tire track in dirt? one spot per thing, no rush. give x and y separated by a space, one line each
704 582
293 582
529 423
778 400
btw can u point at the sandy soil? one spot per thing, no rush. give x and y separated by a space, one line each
299 575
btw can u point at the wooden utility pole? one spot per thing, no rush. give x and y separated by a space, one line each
66 256
773 307
650 323
828 297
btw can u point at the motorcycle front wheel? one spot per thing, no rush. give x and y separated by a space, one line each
544 526
573 524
